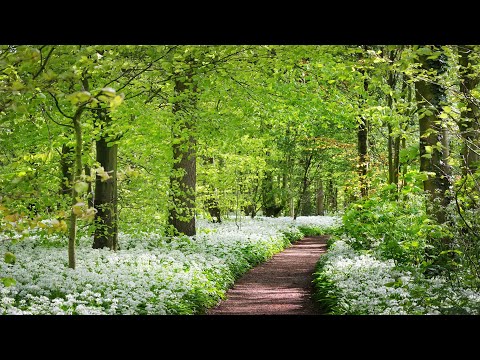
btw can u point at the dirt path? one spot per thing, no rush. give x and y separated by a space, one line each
280 286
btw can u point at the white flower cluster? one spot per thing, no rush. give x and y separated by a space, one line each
314 221
367 285
151 274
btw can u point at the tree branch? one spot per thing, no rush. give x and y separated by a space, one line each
58 106
145 69
51 118
44 62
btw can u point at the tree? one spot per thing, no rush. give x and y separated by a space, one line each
184 174
106 194
430 96
469 123
362 137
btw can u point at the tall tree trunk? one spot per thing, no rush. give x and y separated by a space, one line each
429 96
332 196
212 199
184 175
106 218
320 198
390 142
67 163
410 111
405 165
304 186
72 231
362 136
469 122
335 199
90 194
391 84
396 160
393 141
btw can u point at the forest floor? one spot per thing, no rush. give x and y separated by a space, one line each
280 286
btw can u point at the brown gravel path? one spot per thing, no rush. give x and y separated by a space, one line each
280 286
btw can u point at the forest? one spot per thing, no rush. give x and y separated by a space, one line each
147 179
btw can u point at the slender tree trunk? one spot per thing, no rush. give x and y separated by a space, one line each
106 218
393 141
212 200
332 196
305 183
362 136
320 197
67 163
411 110
405 165
390 154
429 96
90 194
335 199
184 175
469 123
72 231
396 160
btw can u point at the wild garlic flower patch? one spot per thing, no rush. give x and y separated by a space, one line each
363 284
314 221
150 274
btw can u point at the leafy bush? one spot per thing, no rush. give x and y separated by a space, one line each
398 230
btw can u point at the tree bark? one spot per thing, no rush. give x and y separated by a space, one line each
332 203
320 198
106 218
362 137
212 200
90 193
67 163
390 142
469 122
393 141
396 160
305 183
433 152
184 176
72 231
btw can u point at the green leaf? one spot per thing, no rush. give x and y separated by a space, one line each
10 258
81 187
79 97
424 51
116 101
102 173
79 208
17 85
8 281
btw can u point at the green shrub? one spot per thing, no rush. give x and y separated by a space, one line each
398 230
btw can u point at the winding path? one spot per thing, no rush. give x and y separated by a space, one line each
280 286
